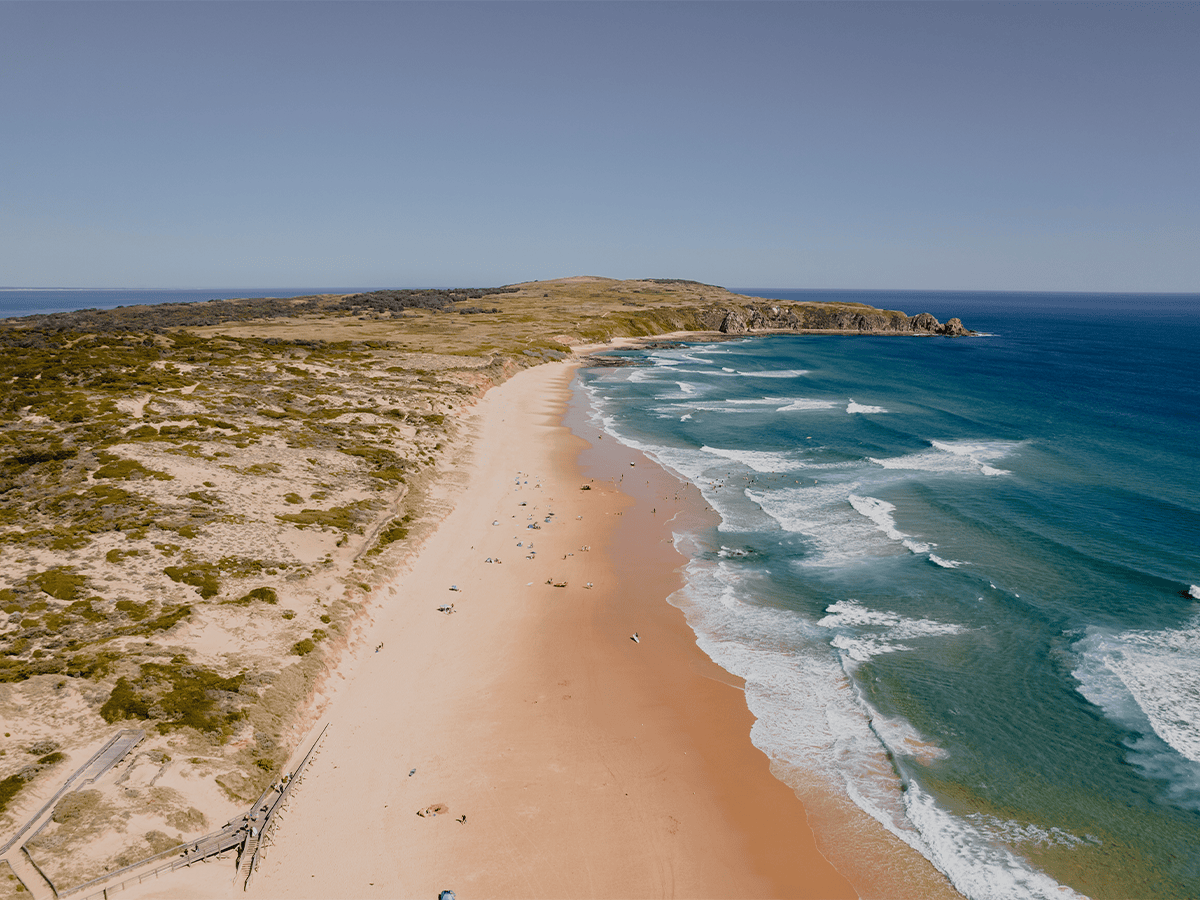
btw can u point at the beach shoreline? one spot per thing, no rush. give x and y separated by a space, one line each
585 764
871 858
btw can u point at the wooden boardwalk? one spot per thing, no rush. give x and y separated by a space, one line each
244 833
13 851
103 760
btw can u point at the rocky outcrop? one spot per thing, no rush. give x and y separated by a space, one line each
733 323
847 318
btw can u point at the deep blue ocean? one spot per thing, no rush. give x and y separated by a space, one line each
961 577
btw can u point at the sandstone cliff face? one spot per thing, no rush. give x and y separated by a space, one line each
850 318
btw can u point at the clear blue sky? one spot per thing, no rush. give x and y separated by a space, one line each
1025 146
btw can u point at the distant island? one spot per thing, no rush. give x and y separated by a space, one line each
200 504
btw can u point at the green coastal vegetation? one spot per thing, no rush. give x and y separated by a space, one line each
239 475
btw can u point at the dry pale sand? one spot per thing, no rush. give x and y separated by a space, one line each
586 765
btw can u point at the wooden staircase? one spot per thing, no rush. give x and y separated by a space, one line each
246 861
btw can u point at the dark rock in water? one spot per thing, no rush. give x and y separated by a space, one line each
953 327
924 322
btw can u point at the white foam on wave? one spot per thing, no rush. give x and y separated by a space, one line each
851 613
717 348
810 717
657 368
732 552
663 373
774 373
596 412
973 858
688 390
861 649
864 633
880 512
853 407
1146 681
781 404
807 713
675 408
837 535
708 373
708 472
668 358
1194 592
980 453
803 403
1028 835
829 514
954 458
759 461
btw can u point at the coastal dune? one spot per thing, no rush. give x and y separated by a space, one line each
584 763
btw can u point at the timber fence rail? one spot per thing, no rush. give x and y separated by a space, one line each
179 862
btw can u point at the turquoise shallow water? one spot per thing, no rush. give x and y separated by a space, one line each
961 577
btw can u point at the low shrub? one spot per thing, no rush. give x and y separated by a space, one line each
60 582
202 576
178 695
265 594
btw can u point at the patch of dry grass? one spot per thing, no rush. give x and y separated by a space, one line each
537 315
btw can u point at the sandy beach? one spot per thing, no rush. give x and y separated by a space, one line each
585 763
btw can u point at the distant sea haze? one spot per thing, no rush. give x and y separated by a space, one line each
41 301
960 576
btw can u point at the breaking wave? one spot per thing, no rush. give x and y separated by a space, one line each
953 458
853 407
1149 683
